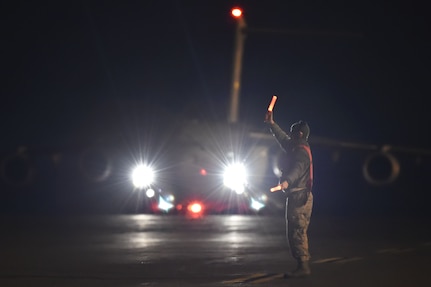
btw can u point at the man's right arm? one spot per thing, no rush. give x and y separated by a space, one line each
281 136
278 132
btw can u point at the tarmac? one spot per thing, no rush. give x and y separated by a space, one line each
216 250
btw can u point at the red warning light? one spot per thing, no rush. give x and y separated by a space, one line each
236 12
203 172
195 207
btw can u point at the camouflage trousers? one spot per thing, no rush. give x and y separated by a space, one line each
298 217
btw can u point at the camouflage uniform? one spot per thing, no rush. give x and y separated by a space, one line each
297 220
297 171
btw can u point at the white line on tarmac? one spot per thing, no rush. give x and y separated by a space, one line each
326 260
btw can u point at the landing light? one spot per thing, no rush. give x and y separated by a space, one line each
235 177
142 176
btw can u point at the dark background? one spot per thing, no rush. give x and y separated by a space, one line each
130 74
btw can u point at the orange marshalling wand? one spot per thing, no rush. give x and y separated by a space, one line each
271 105
275 188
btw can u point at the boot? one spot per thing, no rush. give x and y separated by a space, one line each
303 270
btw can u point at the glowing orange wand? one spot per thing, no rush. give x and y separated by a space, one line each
275 188
272 104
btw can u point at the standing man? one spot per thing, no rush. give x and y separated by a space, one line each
296 181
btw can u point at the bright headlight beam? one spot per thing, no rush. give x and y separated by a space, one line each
235 177
142 176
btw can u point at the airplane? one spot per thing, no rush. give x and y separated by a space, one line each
220 169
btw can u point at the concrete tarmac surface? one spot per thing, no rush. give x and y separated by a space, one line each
217 250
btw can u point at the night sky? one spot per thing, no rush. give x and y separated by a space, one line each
73 71
354 71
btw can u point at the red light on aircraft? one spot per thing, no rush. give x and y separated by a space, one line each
195 210
195 207
203 172
179 207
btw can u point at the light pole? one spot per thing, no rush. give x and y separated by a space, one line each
241 32
237 65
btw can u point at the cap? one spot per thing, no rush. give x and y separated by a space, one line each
300 126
